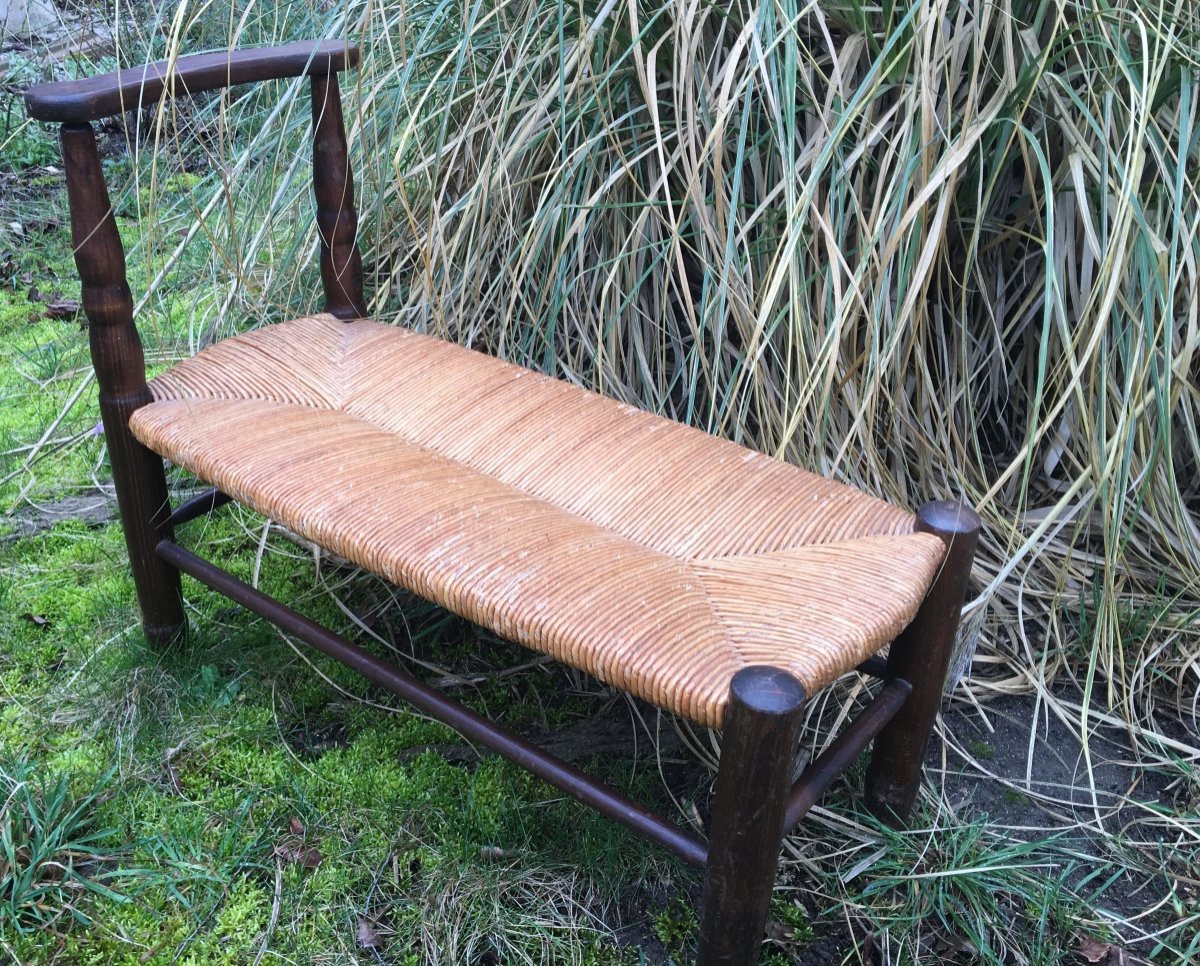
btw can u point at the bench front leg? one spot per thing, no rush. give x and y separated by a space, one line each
758 748
121 375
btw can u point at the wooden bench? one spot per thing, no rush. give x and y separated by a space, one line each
703 577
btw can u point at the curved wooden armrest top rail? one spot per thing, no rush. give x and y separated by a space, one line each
82 101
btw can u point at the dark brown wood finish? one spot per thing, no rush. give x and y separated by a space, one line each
875 666
89 99
337 222
758 748
921 656
121 375
835 759
199 506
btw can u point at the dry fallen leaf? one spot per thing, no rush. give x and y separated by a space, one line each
1093 950
368 936
1096 951
290 849
41 225
62 309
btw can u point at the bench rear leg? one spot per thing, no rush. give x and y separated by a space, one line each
762 729
921 655
121 375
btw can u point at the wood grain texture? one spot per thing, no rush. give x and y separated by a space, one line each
758 748
91 98
921 656
120 373
337 222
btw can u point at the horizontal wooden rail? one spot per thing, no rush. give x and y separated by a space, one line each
580 786
198 506
89 99
845 748
874 666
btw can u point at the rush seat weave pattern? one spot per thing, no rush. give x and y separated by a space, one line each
652 555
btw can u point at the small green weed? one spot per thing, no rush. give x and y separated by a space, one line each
605 954
27 146
1135 619
794 919
23 143
51 856
43 362
675 926
982 750
961 887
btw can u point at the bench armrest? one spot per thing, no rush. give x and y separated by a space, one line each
107 300
81 101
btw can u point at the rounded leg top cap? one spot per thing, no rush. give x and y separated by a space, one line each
767 690
948 516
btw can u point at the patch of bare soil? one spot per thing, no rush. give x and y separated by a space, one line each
92 507
1033 775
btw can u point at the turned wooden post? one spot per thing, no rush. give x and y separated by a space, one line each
921 656
758 748
121 375
337 222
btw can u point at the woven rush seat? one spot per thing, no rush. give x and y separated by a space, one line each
652 555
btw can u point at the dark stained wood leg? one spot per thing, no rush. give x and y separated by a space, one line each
921 656
337 222
121 374
762 728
